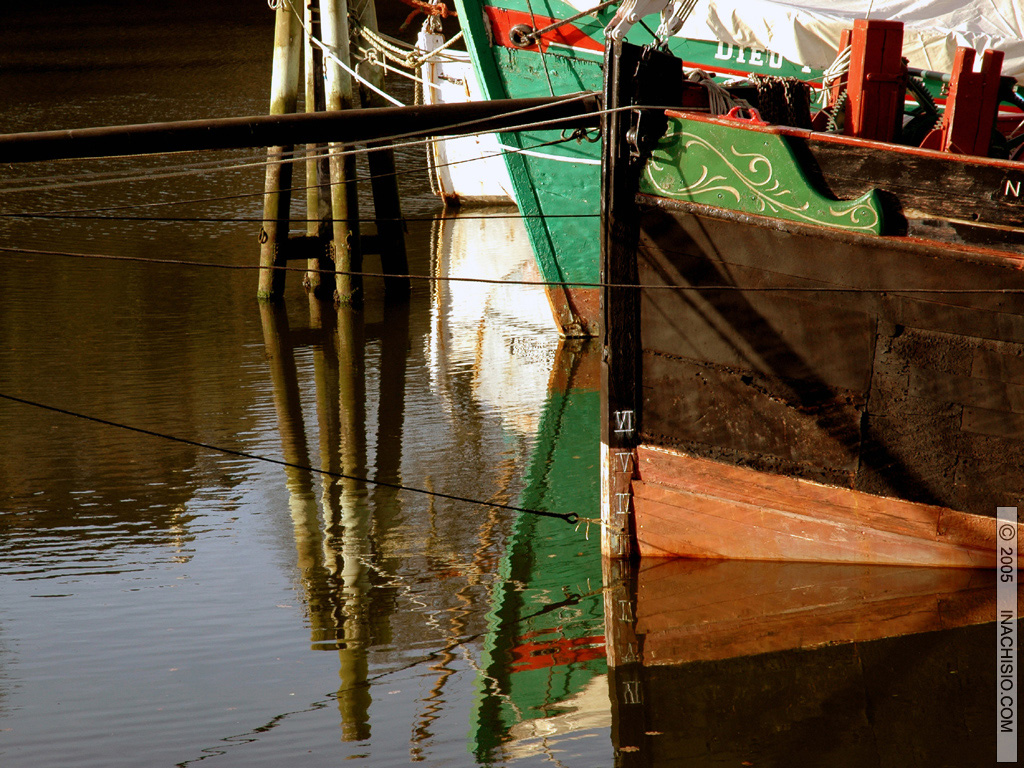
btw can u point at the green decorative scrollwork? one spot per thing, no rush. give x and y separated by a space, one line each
751 172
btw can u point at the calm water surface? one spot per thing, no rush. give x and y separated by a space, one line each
168 603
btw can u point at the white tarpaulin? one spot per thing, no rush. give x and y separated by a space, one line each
807 31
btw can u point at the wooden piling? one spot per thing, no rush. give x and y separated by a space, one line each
384 181
280 353
284 90
620 405
318 195
344 202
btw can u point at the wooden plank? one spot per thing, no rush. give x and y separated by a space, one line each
974 321
774 332
980 393
926 185
751 414
786 494
995 423
674 523
778 255
696 507
972 103
1004 364
875 85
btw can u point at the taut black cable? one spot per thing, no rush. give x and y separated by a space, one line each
570 517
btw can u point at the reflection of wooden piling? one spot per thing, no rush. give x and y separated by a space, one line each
393 333
283 97
332 201
354 531
291 426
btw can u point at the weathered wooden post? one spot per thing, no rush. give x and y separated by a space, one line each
384 181
284 89
344 203
318 197
620 308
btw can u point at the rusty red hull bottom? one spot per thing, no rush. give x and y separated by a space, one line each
687 506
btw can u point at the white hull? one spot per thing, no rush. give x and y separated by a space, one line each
469 170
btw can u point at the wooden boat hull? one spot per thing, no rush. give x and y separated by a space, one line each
805 375
846 420
556 179
468 170
690 506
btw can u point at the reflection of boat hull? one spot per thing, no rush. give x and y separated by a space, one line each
700 610
800 664
545 659
487 319
543 662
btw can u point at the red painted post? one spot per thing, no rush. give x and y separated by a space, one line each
877 80
972 103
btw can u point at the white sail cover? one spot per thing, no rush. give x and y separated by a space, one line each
807 31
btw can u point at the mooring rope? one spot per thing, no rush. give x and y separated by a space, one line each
536 34
540 48
532 283
834 72
333 56
570 517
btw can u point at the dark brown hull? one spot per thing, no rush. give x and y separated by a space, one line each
842 403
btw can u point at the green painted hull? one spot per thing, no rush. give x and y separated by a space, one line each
720 163
557 185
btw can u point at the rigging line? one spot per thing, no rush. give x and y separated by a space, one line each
536 34
243 195
89 176
570 517
296 157
535 283
540 48
151 175
393 140
259 219
538 125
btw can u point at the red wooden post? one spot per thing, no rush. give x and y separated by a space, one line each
877 84
971 106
